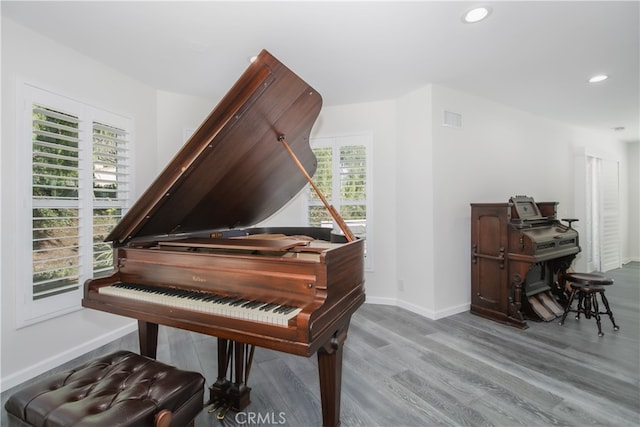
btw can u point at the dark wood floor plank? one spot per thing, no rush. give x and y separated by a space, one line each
536 373
441 399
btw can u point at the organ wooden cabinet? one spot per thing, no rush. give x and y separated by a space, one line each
517 250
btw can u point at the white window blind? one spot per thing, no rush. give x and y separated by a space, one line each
76 189
603 214
110 190
323 178
343 176
610 215
56 209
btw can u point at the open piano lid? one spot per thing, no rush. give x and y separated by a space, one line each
233 172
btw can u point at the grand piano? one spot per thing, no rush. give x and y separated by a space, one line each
187 254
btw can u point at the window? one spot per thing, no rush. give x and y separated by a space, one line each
76 190
343 176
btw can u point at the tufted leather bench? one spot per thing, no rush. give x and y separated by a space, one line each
120 389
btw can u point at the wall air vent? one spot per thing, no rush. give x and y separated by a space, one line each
453 120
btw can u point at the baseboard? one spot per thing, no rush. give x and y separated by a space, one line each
450 311
429 314
382 300
64 357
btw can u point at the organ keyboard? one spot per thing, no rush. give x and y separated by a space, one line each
187 254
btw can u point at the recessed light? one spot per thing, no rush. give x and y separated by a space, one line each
476 15
598 78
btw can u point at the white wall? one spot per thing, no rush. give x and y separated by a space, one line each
379 119
424 175
415 241
175 114
498 152
633 156
28 56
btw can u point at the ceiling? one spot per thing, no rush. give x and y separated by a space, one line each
534 56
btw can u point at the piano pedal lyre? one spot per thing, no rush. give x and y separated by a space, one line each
229 393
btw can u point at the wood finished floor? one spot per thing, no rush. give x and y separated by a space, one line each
403 370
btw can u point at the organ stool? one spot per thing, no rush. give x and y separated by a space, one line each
586 287
120 389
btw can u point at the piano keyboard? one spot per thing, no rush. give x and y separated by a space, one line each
240 308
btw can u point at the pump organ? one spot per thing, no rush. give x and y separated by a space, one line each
518 250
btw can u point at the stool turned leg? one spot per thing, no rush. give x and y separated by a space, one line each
609 312
596 311
581 305
567 308
588 307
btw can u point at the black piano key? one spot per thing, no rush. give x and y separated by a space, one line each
287 309
252 304
284 309
266 307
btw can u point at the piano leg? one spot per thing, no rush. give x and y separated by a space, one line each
330 370
148 338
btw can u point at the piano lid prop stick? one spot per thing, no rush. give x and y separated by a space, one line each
336 216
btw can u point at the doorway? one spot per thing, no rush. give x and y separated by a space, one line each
603 214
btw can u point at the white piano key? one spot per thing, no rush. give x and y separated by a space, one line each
274 314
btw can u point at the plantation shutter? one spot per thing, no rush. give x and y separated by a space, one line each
353 185
350 166
323 178
110 190
341 175
55 207
74 183
610 215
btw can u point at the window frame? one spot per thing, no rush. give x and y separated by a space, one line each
28 310
335 143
